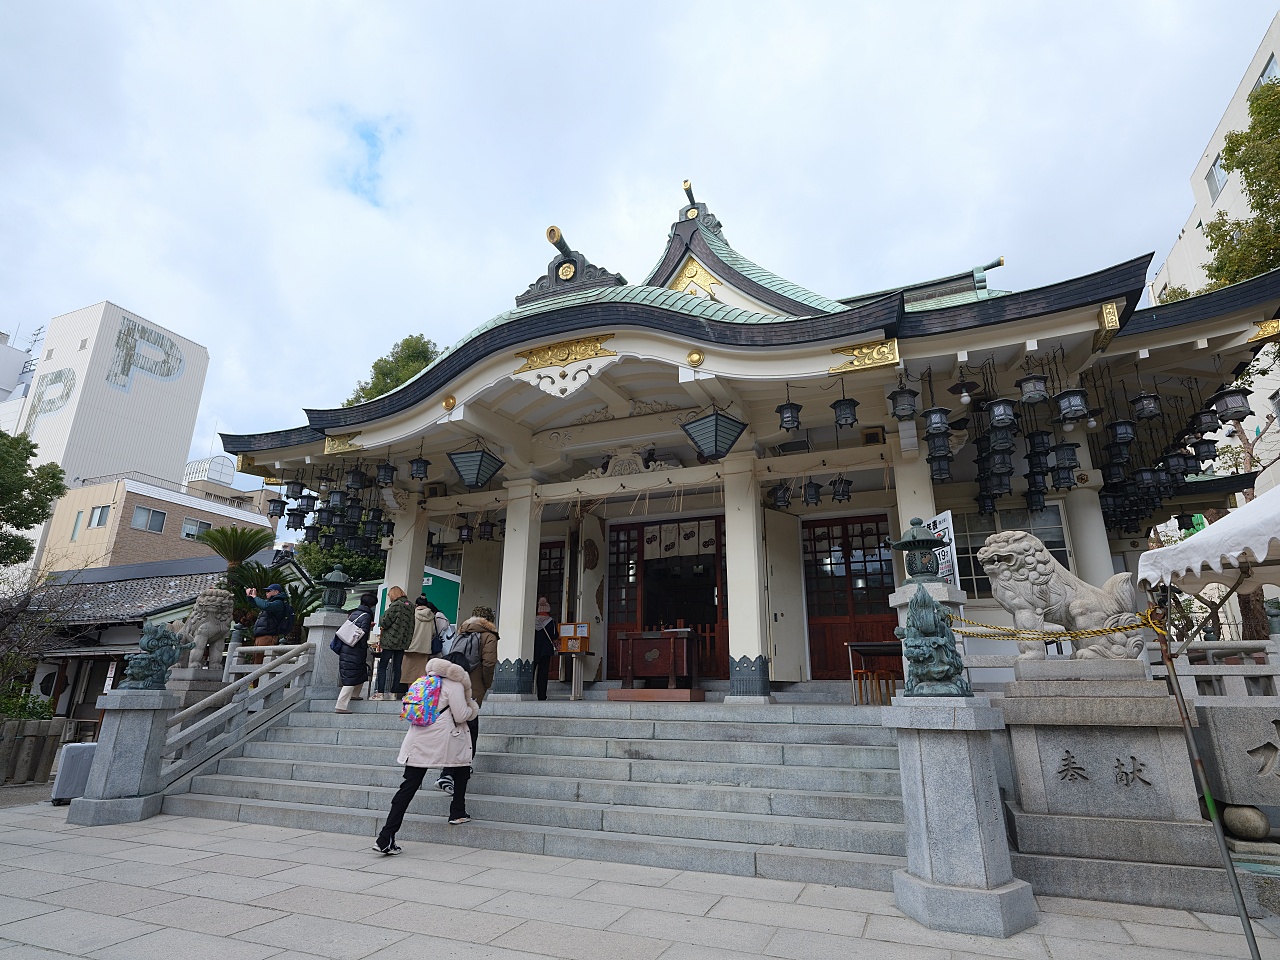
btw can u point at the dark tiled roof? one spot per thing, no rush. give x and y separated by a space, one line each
129 601
1238 296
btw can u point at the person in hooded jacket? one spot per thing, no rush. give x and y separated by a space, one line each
428 624
395 631
444 743
481 674
353 665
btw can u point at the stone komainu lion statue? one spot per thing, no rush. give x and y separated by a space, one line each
207 626
1035 588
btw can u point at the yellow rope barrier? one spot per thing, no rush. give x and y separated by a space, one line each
1146 621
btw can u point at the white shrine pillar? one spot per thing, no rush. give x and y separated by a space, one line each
744 559
407 557
913 487
518 597
1090 546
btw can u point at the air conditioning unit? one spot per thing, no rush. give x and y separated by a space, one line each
801 445
432 490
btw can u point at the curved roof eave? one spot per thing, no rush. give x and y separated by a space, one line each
275 440
1238 296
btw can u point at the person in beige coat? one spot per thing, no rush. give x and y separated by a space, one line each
428 624
445 743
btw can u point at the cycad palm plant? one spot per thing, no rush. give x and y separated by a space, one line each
237 544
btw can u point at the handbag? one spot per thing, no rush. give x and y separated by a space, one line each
350 634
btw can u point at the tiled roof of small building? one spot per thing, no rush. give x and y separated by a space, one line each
128 601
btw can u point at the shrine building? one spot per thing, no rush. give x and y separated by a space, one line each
720 448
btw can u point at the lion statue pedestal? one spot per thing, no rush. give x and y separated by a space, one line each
206 629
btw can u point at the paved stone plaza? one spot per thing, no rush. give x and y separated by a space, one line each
182 887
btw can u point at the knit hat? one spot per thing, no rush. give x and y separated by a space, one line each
544 607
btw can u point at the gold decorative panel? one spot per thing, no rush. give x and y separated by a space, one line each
246 464
342 443
694 273
866 356
564 353
1108 327
1266 330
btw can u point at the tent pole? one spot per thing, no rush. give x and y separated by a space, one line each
1202 780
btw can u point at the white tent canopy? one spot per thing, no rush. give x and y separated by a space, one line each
1214 554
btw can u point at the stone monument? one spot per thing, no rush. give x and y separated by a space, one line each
206 630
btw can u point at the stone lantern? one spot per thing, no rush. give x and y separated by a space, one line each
335 588
919 546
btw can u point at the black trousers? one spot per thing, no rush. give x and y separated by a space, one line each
474 726
541 674
409 787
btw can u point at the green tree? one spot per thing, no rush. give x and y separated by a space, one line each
26 496
1173 294
237 544
318 562
406 360
1242 249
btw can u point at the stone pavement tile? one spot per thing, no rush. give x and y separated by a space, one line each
418 890
406 866
1062 949
1081 928
83 843
1119 911
355 841
156 853
166 821
241 866
269 849
322 903
1204 941
23 951
32 883
168 944
528 882
115 899
849 898
723 885
222 887
503 859
117 831
333 857
570 912
15 851
13 908
447 921
651 898
74 931
265 831
686 929
51 862
1230 923
573 943
617 872
334 939
328 878
807 945
138 874
1021 946
31 835
694 951
183 840
221 918
845 923
439 947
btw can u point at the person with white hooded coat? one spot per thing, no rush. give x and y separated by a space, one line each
445 743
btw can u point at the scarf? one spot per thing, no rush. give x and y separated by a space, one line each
541 621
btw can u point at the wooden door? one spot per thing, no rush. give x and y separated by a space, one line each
784 585
848 572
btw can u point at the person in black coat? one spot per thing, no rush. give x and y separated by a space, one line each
353 659
544 646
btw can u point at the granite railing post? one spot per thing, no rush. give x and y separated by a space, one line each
321 627
124 782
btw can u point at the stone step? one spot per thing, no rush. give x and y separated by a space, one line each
870 782
679 751
801 803
867 871
787 831
846 734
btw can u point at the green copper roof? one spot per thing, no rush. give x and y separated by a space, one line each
772 281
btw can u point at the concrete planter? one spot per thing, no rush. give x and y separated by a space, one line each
27 749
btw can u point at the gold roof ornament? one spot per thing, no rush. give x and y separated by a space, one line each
866 356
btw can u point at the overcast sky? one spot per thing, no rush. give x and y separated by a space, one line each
299 185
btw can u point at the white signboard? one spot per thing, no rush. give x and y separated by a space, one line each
943 528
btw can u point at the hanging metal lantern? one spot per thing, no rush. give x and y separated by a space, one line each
1037 482
986 504
1117 452
370 528
1064 455
1231 404
714 435
1001 484
1034 388
1000 412
356 479
840 488
788 416
311 533
1186 521
781 496
939 471
355 544
276 507
437 551
1038 462
1039 441
1064 477
296 519
1204 448
1145 406
1001 463
1121 432
328 541
293 489
1177 462
982 443
353 511
1164 483
324 516
484 530
475 467
1144 478
812 493
1001 438
307 502
386 474
1203 421
935 421
903 401
344 530
939 447
387 529
1035 500
984 482
373 513
1073 405
846 412
1113 473
466 532
337 499
418 468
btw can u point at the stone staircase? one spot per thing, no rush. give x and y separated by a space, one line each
790 791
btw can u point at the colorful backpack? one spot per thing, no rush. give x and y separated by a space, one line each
421 705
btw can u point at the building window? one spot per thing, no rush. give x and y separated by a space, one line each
48 354
75 527
972 530
1216 178
1269 72
551 575
98 516
848 566
144 518
84 344
193 528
